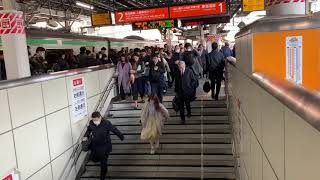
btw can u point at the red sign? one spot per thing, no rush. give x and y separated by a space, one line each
11 23
77 82
142 15
8 177
204 9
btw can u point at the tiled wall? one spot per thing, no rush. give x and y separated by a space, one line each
273 143
37 133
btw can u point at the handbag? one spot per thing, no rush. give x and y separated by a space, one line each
86 144
206 87
175 104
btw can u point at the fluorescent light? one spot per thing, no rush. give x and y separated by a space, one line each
84 5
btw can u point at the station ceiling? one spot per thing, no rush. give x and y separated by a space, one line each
113 5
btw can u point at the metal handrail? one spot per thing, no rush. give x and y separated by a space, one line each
78 147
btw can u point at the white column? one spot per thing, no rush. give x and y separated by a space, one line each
212 31
202 40
14 41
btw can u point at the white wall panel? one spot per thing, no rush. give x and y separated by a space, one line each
268 173
273 132
59 132
5 120
7 155
60 163
77 128
55 95
32 147
43 174
26 104
256 159
92 83
92 103
302 149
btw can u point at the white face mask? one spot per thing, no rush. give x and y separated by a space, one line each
43 54
178 51
97 123
63 56
189 49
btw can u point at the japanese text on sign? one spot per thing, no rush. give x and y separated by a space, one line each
198 10
253 5
294 59
154 24
79 101
11 22
101 19
142 15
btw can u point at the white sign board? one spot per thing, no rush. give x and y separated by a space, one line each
288 7
78 99
294 59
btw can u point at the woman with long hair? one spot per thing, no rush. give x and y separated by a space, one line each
138 80
123 72
152 117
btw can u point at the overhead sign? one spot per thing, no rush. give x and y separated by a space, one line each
204 9
101 19
154 24
253 5
285 7
142 15
79 100
11 22
191 33
202 21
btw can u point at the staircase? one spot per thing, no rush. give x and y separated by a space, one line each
206 133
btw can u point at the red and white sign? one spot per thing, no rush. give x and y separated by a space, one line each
204 9
286 7
78 99
11 176
142 15
11 22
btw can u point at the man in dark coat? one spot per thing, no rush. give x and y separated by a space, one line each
101 146
185 87
156 76
215 66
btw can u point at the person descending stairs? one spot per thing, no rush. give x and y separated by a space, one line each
199 149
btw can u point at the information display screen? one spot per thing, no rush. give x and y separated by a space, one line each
202 21
101 19
204 9
142 15
253 5
154 24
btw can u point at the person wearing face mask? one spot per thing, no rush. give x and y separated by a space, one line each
99 131
123 73
156 76
202 54
38 64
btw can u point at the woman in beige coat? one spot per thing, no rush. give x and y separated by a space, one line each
153 116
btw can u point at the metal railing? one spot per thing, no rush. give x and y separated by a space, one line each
78 146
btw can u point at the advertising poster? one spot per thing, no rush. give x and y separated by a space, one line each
79 100
294 59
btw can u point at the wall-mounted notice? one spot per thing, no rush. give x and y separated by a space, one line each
13 175
294 59
79 100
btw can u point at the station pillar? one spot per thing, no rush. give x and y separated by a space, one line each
14 41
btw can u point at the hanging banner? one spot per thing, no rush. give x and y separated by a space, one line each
79 99
142 15
253 5
11 22
193 10
214 38
294 59
286 7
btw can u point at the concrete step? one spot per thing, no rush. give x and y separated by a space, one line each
178 127
160 174
171 157
172 120
194 112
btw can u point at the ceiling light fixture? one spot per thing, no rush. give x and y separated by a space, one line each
84 5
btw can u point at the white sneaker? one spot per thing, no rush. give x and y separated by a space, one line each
152 151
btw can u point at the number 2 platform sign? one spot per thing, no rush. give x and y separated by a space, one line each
79 99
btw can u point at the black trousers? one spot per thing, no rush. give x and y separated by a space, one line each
184 100
215 79
102 157
156 89
138 88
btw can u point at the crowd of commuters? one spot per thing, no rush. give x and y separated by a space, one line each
149 72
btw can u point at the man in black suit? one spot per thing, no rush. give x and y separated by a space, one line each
101 146
185 87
